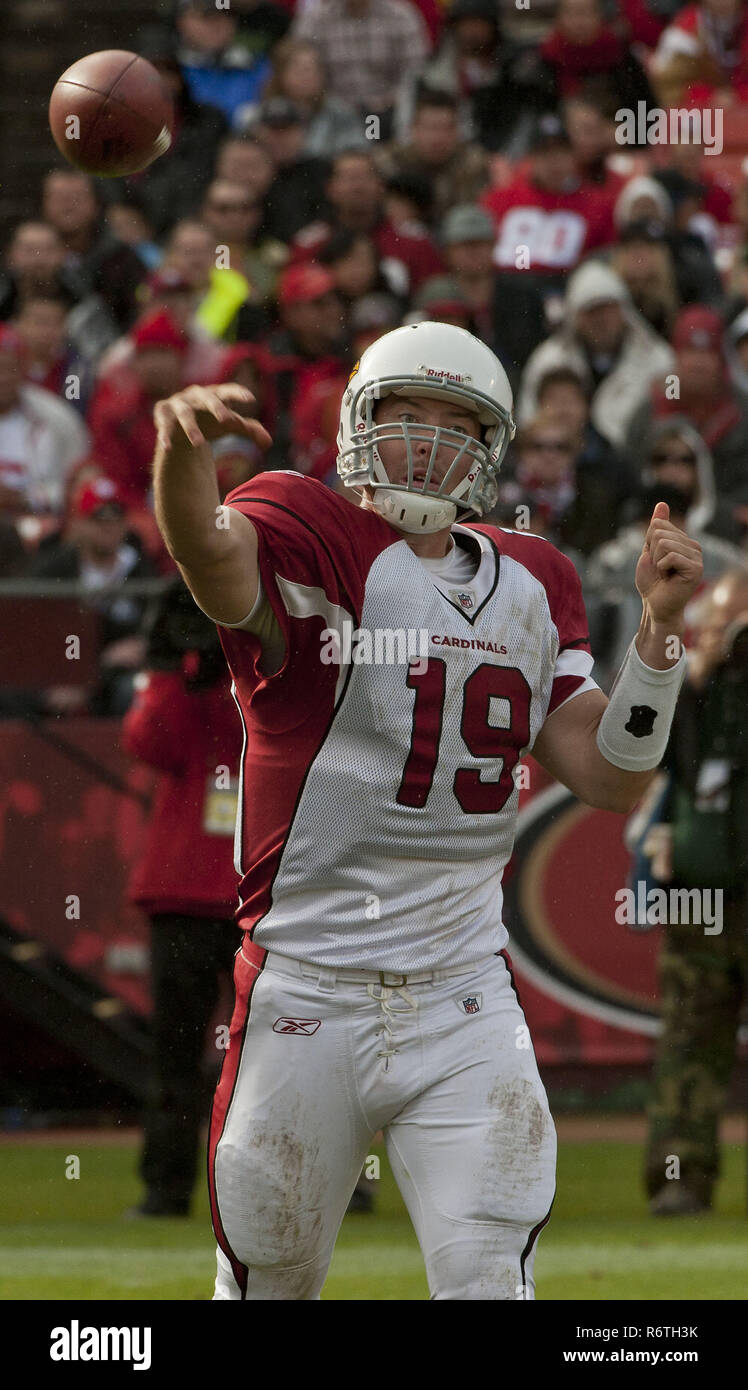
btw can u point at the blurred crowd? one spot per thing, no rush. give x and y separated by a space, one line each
340 167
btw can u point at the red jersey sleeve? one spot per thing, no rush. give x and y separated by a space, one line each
315 551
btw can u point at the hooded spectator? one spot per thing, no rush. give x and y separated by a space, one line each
647 199
701 391
679 458
42 438
642 199
603 338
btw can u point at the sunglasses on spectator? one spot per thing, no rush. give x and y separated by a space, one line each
673 458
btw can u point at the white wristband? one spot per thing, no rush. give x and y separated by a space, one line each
635 727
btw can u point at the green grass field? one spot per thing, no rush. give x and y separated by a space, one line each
68 1239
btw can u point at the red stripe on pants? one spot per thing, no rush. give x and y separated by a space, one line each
247 970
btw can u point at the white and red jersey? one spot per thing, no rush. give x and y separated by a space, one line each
378 800
548 232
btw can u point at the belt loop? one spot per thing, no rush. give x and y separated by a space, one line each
326 980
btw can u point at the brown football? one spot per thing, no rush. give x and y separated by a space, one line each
111 114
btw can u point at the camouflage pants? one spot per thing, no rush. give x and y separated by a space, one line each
703 982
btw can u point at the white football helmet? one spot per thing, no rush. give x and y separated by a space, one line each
431 360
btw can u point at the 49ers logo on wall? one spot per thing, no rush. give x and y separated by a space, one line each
559 909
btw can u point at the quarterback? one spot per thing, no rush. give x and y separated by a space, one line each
378 804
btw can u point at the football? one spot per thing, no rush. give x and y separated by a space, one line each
111 114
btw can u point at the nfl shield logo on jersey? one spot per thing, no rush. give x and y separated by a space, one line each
464 599
471 1005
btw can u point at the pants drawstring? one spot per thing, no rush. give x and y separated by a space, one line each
388 1014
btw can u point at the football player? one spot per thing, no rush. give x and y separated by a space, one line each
392 664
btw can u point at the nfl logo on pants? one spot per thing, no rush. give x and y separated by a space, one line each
471 1005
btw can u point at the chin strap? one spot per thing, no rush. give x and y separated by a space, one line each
415 514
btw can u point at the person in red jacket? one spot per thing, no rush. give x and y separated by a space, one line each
581 45
184 723
120 415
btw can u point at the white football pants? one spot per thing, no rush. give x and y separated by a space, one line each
319 1061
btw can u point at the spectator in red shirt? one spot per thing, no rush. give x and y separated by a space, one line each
97 549
643 22
310 346
547 221
121 411
582 45
184 725
356 196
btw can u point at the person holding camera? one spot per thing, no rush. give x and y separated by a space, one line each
184 724
701 842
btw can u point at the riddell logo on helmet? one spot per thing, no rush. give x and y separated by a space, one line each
442 372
